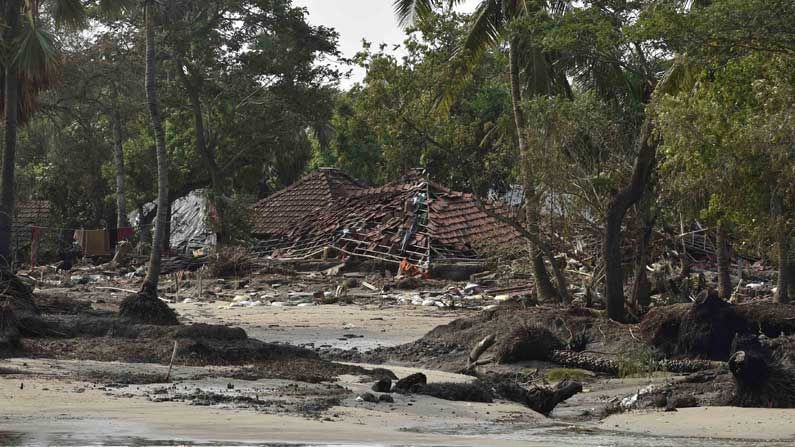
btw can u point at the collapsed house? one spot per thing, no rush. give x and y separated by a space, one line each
414 219
191 217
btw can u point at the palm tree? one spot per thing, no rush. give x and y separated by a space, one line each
145 306
491 27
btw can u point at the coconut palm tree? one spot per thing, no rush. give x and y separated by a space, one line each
28 60
531 73
146 307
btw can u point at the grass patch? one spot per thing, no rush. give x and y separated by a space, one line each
639 362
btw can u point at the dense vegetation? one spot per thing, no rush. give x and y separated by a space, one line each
614 116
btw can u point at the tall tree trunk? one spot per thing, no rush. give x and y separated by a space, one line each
118 160
641 286
791 276
11 110
724 263
153 274
617 209
205 152
624 199
543 283
167 229
207 155
783 240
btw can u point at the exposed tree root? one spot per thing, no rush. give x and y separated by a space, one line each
764 378
146 308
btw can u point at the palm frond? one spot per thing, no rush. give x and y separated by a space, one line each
680 77
486 31
36 57
112 8
70 14
408 11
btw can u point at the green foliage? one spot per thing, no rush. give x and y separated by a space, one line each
734 158
389 124
640 361
259 107
558 374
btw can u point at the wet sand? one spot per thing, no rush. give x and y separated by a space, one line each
709 422
327 326
55 407
50 407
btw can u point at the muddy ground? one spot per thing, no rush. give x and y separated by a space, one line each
264 359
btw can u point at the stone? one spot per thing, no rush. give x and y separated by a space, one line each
383 386
367 397
412 382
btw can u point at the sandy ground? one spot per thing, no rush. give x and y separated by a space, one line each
57 406
54 408
709 422
326 326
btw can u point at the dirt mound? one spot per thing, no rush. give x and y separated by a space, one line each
447 347
764 378
769 318
660 327
527 343
146 308
708 328
712 324
411 383
16 293
10 336
210 331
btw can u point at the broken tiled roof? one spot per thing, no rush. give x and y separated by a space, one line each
33 212
413 219
278 213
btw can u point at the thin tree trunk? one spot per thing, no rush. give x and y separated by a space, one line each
167 229
617 209
543 284
641 286
207 154
791 275
153 274
785 279
783 237
118 160
11 111
724 263
623 200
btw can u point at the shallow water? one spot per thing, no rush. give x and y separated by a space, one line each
535 438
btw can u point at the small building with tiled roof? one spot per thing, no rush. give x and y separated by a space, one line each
413 219
277 214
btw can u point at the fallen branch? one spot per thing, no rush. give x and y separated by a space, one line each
171 363
117 289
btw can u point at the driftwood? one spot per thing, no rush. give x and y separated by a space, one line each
540 398
479 349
